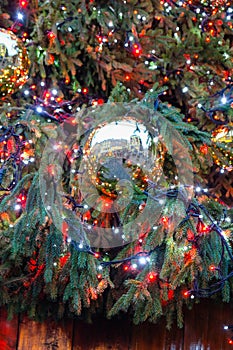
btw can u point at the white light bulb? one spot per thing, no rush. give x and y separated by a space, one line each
17 206
224 100
20 16
39 109
142 260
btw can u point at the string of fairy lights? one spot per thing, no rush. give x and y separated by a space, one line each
50 106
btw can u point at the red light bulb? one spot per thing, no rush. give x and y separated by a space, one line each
99 276
23 3
152 276
136 50
51 35
212 268
185 293
202 228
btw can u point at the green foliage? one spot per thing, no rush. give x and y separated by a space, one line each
40 273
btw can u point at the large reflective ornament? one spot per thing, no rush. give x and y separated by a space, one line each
120 153
14 63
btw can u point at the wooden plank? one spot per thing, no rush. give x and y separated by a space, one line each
219 315
148 336
196 327
174 339
48 335
8 331
102 335
227 319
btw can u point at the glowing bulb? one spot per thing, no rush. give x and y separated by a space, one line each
224 100
17 206
142 260
20 16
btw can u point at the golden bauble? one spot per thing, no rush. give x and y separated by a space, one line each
14 63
